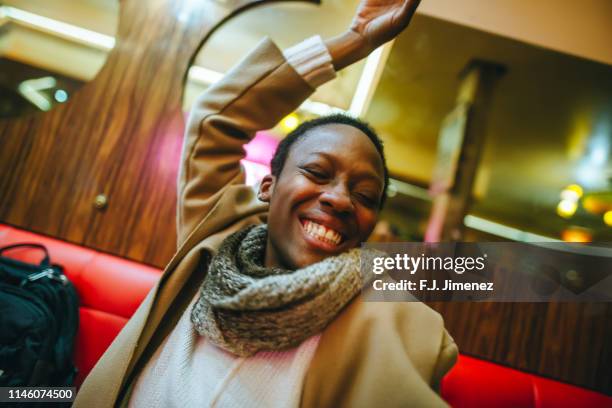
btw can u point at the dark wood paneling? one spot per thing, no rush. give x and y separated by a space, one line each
571 342
121 135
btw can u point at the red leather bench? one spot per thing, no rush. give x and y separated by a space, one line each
111 288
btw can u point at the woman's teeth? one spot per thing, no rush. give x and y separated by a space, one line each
322 233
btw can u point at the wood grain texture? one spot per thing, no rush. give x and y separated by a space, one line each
570 342
121 135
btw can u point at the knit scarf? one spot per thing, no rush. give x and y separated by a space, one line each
245 307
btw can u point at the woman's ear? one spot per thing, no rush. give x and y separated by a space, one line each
266 188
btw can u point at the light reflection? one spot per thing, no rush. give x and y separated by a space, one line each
65 30
577 234
572 192
31 90
592 169
290 122
607 218
60 96
567 208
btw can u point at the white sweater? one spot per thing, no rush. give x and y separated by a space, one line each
188 371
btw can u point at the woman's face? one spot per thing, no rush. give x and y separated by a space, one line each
326 199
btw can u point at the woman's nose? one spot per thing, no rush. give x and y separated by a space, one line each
339 198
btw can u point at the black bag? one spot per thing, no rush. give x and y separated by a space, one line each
38 323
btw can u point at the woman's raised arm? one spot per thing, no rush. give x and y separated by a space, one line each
257 93
254 95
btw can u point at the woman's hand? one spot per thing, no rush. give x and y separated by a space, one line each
375 23
379 21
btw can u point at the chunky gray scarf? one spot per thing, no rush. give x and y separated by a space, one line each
245 307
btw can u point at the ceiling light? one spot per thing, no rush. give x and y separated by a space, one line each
369 78
204 76
319 108
567 208
576 235
69 31
60 96
607 218
573 192
504 231
289 122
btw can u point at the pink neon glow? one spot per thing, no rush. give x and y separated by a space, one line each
259 153
261 148
254 172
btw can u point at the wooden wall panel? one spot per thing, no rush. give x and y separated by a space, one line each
121 135
571 342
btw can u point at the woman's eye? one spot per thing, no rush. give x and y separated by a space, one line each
316 173
366 199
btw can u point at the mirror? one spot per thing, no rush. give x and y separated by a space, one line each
48 50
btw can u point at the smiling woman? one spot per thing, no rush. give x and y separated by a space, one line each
261 306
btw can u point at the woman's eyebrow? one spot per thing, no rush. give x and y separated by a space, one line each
323 154
365 174
370 176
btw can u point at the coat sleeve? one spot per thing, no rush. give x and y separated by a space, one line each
254 95
446 359
379 354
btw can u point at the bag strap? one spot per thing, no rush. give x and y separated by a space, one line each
45 261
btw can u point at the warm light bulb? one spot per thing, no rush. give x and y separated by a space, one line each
576 235
576 188
567 208
607 217
573 192
290 122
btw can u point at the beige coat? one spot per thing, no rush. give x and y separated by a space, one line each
372 354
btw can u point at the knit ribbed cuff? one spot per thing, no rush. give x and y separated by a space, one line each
312 61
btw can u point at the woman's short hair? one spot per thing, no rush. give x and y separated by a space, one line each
284 147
